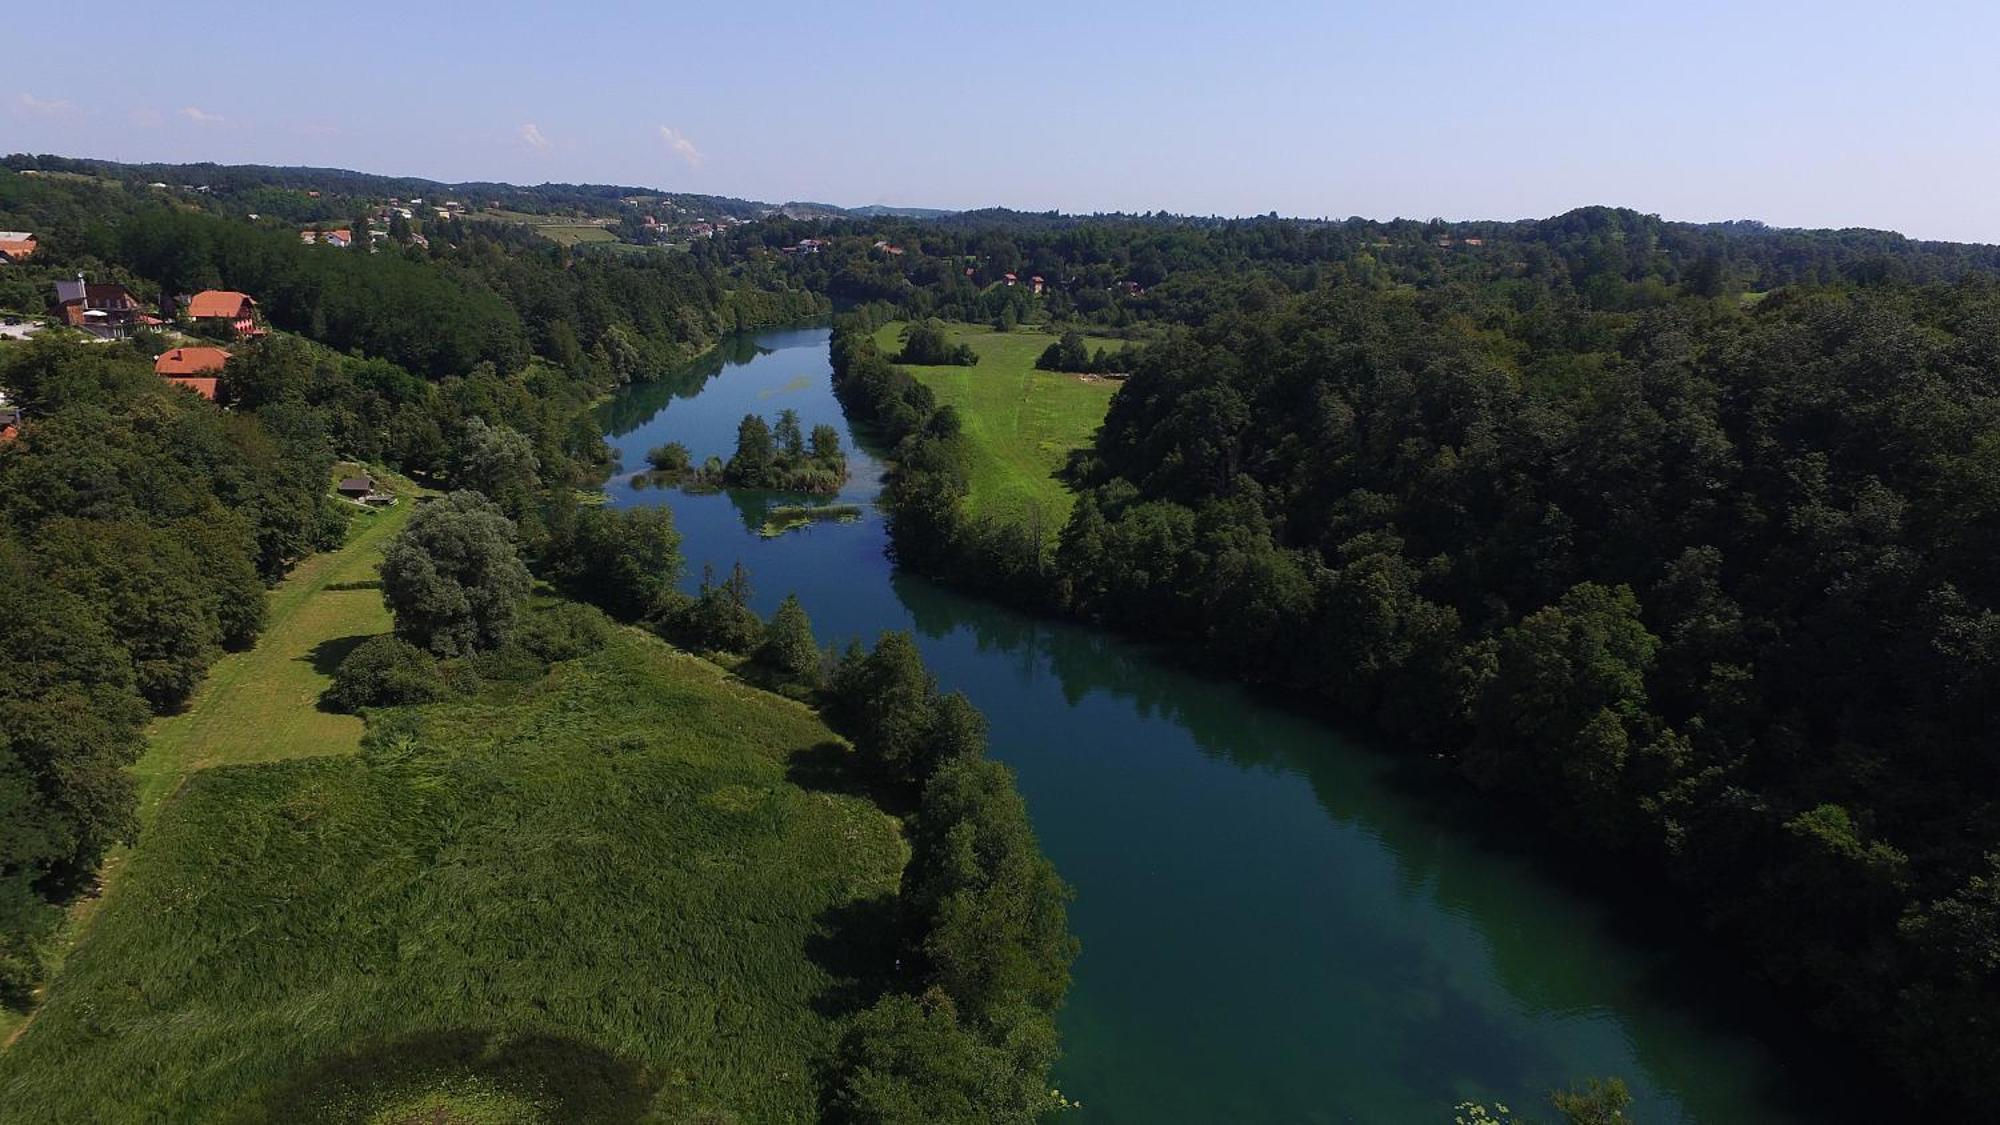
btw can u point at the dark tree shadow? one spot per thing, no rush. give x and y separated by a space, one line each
575 1081
856 944
363 584
829 767
327 655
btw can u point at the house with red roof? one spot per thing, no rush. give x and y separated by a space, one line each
225 310
198 369
16 246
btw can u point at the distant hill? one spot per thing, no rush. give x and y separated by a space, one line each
878 210
263 185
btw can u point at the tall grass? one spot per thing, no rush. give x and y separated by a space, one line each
634 888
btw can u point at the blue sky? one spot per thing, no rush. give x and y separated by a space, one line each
1826 114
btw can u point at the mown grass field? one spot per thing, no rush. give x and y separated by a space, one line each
632 889
1021 423
554 228
260 705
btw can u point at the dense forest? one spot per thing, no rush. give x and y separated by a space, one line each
1678 536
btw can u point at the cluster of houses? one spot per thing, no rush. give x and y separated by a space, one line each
16 246
109 311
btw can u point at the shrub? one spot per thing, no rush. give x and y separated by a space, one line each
385 671
669 458
565 632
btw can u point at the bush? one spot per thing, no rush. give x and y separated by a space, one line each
669 458
385 671
909 1061
511 663
565 632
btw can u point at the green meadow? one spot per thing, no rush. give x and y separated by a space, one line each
1020 423
632 888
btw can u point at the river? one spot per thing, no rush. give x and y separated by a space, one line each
1279 922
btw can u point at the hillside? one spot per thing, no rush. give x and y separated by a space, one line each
579 896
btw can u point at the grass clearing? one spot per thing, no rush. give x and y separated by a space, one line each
262 705
634 888
1021 423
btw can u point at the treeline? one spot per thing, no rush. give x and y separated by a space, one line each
1709 587
1115 273
283 191
138 526
481 293
1070 354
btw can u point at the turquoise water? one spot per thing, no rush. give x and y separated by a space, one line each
1279 923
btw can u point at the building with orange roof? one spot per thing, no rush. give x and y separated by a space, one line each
199 369
220 307
16 246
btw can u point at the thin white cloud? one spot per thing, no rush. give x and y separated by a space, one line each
678 144
201 116
532 136
28 105
147 118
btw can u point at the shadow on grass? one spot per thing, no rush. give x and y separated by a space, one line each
367 584
327 655
830 767
565 1079
856 944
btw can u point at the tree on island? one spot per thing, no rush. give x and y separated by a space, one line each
780 457
454 578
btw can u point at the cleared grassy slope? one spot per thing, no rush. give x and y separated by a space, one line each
1021 423
598 896
261 705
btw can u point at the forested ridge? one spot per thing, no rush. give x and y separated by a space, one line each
1703 579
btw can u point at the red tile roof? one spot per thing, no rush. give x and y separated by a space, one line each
190 361
226 304
205 387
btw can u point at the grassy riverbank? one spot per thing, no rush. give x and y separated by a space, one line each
594 895
1020 423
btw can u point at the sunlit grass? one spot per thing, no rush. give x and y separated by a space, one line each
1021 423
630 887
